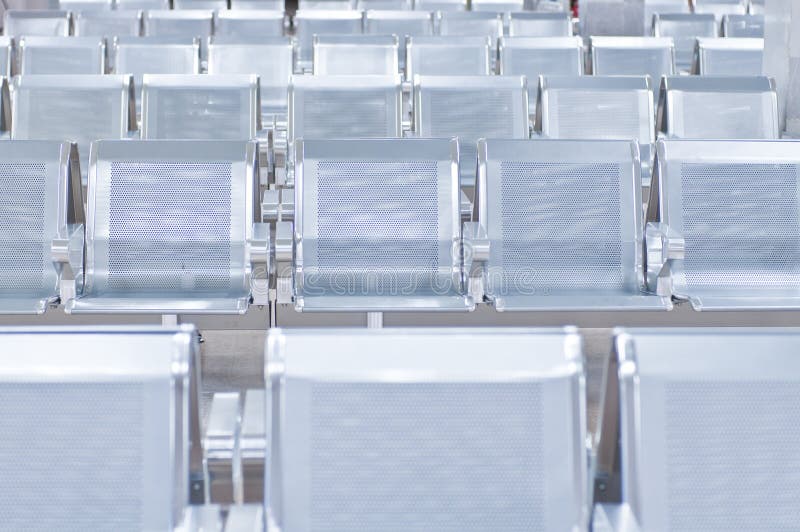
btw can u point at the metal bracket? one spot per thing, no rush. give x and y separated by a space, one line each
665 247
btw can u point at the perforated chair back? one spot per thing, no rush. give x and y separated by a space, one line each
612 17
720 8
699 409
540 56
471 107
272 5
385 5
270 58
662 7
80 108
142 4
362 440
202 106
400 23
498 6
108 23
5 56
330 107
684 30
470 23
47 23
42 199
634 56
751 26
382 216
326 5
599 107
250 23
62 55
729 56
440 5
355 55
539 25
733 201
200 4
696 107
448 56
168 226
564 222
178 23
85 6
104 415
308 23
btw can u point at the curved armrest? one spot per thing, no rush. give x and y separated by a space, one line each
475 250
665 248
284 255
259 248
66 252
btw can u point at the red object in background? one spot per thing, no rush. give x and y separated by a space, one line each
575 8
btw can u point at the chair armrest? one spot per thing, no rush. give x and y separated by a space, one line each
665 248
284 256
260 262
221 443
475 250
66 252
466 207
614 518
277 205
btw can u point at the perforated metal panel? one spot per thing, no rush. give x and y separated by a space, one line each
582 114
447 60
684 30
308 23
251 23
108 23
723 115
612 17
539 25
633 57
732 239
533 57
67 55
44 22
721 60
182 23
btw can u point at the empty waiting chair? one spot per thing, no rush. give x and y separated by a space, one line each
61 55
719 8
599 107
355 55
729 56
86 6
326 5
385 5
400 23
700 409
539 25
270 5
696 107
470 23
109 24
471 107
80 108
448 56
41 209
498 6
170 228
488 442
634 56
743 26
270 58
200 4
377 219
540 56
17 23
612 17
684 30
731 204
142 4
313 22
185 23
662 7
6 49
249 23
100 423
563 221
440 5
201 106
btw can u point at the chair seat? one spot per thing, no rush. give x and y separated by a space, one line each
742 299
593 301
443 303
154 305
22 305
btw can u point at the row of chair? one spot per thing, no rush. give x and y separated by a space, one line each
375 225
403 429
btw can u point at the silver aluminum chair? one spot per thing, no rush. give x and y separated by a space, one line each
355 55
498 6
326 5
86 6
250 23
270 58
440 5
41 212
385 5
697 107
562 220
142 4
539 56
322 22
719 8
743 26
80 108
448 56
199 4
403 24
61 55
6 54
729 56
612 17
471 108
101 423
108 24
201 106
539 25
470 23
599 107
731 204
662 7
377 227
170 228
367 424
684 30
268 5
700 410
47 23
186 23
634 56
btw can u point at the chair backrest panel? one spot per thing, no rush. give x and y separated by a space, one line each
743 26
322 22
400 23
190 23
684 29
108 23
634 56
62 55
729 56
252 23
355 55
522 24
47 23
447 56
5 56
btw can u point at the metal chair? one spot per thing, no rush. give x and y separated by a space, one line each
562 220
186 23
700 410
488 442
743 26
142 4
326 5
61 55
403 24
200 4
250 23
613 18
46 23
41 256
471 108
728 56
634 56
498 6
448 56
539 25
697 107
684 30
470 23
109 24
269 5
440 5
384 5
662 7
355 55
308 23
170 228
599 107
719 8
